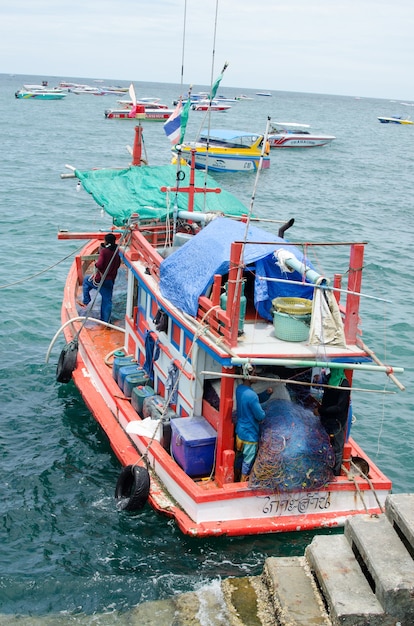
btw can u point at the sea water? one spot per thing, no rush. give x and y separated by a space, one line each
66 549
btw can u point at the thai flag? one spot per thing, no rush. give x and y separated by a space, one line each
172 126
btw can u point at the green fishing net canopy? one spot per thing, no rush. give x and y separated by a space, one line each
124 192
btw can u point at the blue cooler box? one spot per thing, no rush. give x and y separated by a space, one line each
193 443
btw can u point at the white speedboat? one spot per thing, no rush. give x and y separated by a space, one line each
293 135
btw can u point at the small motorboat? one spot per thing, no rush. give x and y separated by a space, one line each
210 105
395 120
293 135
226 151
39 92
146 112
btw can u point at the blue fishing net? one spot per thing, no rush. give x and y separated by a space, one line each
294 450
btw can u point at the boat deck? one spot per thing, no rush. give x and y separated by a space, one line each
259 338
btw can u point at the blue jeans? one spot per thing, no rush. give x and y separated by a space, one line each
105 289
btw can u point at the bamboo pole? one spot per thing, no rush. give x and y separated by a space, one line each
294 382
389 370
325 287
311 363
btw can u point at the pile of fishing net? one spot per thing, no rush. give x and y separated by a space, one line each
294 450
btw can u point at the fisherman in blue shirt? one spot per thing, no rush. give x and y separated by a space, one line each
250 414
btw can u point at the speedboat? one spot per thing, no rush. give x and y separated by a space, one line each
224 150
40 92
201 299
81 90
395 120
147 111
292 135
210 105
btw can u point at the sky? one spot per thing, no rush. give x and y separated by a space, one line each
361 48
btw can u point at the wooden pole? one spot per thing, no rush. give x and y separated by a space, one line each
378 362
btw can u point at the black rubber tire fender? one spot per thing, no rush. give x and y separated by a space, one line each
67 362
132 488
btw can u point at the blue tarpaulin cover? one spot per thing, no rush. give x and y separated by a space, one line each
188 272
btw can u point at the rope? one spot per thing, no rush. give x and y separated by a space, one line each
371 486
78 319
23 280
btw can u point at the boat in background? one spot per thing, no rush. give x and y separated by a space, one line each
146 111
146 101
395 120
199 300
263 93
220 98
293 135
222 150
40 92
210 105
194 97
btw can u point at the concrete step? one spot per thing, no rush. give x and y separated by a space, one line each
379 549
399 508
348 595
293 592
247 601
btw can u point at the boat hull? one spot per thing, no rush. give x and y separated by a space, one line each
395 120
154 115
230 510
298 141
231 163
213 107
26 95
226 161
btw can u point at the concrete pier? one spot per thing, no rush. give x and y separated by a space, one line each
363 577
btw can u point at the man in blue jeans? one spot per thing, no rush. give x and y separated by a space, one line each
107 267
249 416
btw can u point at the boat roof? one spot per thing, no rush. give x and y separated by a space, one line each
291 124
187 273
227 134
123 192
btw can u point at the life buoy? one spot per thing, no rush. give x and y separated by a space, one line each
132 488
67 362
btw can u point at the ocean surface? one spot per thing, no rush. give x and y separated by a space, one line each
65 548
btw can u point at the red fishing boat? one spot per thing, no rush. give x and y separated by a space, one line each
200 300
